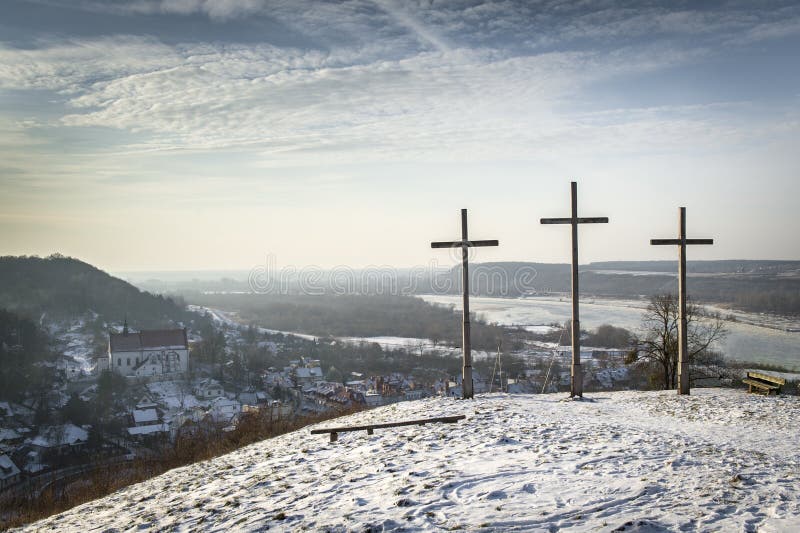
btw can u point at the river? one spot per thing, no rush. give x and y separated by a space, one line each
745 342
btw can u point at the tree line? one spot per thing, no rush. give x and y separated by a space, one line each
356 316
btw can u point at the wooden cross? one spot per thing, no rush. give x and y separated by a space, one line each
577 374
464 244
683 342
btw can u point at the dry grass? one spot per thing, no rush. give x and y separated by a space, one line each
20 510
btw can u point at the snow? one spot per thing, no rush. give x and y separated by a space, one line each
718 460
8 434
173 395
78 346
142 416
68 434
7 467
148 430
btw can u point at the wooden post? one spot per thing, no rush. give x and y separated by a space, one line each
683 340
466 372
576 373
683 349
576 389
465 244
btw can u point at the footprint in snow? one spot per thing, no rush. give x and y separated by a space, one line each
642 526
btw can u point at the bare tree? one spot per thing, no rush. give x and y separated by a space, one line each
659 345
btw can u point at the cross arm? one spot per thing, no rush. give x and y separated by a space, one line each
587 220
657 242
468 244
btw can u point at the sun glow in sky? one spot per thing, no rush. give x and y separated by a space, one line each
193 134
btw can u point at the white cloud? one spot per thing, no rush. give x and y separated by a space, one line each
412 93
75 65
289 104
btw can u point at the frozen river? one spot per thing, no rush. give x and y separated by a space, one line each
744 342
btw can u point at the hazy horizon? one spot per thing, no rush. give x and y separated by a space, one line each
192 135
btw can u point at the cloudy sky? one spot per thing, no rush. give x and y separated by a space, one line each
204 134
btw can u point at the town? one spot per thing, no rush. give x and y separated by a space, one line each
152 388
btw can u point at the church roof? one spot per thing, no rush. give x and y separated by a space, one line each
148 339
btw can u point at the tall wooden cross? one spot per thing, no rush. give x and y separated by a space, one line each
683 342
464 244
577 373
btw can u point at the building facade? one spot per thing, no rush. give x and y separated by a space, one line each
148 352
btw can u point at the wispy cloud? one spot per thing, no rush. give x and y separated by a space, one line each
424 88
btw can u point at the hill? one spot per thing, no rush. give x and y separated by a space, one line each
624 461
65 288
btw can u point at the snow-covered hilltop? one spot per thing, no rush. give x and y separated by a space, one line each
719 460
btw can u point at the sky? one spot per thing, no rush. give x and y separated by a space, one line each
213 134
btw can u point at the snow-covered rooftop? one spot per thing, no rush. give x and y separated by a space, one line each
7 467
148 430
67 434
717 460
142 416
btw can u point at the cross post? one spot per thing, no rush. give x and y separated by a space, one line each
464 244
683 341
577 372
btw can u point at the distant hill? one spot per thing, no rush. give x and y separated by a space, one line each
755 267
61 287
758 286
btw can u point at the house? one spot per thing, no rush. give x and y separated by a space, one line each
60 439
146 402
208 388
303 375
69 368
222 410
9 437
150 430
9 473
144 417
373 398
155 352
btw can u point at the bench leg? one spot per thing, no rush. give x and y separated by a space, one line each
334 436
370 431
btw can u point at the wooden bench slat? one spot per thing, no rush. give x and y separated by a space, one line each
766 377
764 382
368 427
760 384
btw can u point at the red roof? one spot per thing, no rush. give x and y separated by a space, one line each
148 339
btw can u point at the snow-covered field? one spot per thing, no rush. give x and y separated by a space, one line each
719 460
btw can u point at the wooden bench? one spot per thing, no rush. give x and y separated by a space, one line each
764 383
370 428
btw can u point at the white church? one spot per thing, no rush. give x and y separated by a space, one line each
156 352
